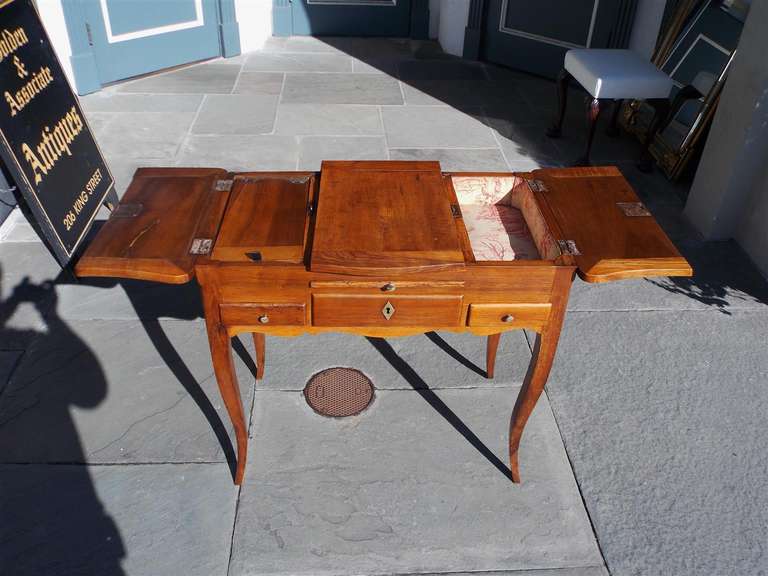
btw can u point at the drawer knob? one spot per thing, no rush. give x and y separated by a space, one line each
507 318
264 319
388 287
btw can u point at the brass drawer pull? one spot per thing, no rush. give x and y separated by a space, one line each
388 287
264 319
507 318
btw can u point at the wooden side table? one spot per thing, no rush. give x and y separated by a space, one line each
378 249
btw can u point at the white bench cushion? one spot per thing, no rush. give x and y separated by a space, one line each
617 74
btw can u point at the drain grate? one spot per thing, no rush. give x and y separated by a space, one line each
339 392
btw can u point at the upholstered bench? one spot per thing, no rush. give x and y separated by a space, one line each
503 220
611 74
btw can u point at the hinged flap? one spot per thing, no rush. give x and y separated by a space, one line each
167 219
595 211
382 218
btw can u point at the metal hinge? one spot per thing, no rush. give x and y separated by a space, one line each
537 186
223 185
89 34
568 247
633 209
455 210
201 246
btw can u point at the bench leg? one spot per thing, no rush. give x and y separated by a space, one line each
613 127
594 107
538 371
563 79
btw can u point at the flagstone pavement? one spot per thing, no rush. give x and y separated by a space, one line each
646 455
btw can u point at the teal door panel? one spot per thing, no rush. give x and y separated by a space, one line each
133 37
534 36
351 17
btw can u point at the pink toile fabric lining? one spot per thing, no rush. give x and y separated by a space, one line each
503 220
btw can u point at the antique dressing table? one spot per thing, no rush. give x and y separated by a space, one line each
381 249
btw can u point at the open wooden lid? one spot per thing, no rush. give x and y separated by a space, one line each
167 218
595 212
378 218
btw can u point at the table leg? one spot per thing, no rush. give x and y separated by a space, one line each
490 354
224 367
259 345
541 363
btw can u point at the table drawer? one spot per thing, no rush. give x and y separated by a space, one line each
372 310
509 315
254 314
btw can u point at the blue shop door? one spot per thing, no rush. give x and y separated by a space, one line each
534 36
351 18
132 37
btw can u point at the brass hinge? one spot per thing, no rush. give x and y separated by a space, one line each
455 210
537 185
201 246
127 211
223 185
568 247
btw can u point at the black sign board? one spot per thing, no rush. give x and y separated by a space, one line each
45 141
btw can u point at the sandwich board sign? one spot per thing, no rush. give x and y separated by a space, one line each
45 143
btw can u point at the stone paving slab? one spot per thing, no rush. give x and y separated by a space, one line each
341 89
329 120
259 83
314 149
436 127
437 360
236 114
662 415
116 392
724 280
240 153
116 520
297 62
456 159
111 100
151 135
216 77
398 490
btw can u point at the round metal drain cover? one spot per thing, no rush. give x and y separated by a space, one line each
339 392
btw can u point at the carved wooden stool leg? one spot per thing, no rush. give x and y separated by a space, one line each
259 345
490 354
224 367
538 371
593 113
563 79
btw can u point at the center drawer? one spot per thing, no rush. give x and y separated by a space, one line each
385 310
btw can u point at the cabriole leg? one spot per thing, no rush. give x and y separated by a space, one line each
538 370
224 368
593 113
259 345
490 354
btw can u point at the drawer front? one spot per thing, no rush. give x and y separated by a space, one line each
509 315
390 310
254 314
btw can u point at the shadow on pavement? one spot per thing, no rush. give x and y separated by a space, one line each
420 386
51 518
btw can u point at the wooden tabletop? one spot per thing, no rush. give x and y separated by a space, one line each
384 217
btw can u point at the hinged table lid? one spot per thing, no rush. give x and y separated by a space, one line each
167 219
382 218
604 226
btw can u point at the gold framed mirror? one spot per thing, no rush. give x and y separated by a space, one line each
696 49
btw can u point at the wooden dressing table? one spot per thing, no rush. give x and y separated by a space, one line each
381 249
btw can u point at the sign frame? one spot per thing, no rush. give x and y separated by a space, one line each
27 195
